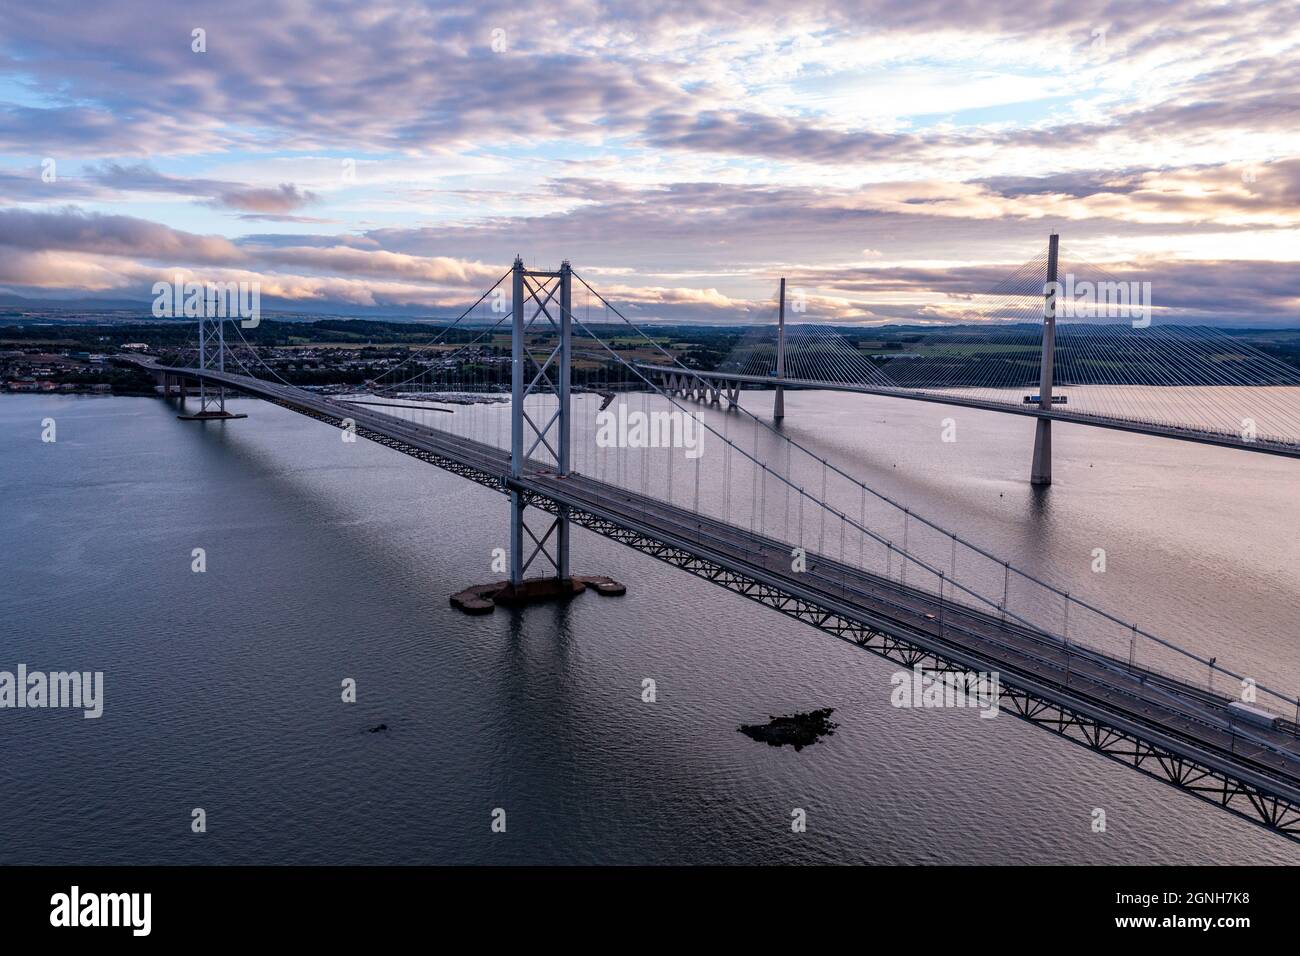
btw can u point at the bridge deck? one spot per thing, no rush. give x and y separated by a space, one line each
1176 717
942 397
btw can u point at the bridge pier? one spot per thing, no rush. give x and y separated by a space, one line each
699 388
1040 470
175 385
181 386
778 400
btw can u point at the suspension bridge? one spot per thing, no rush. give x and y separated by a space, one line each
802 536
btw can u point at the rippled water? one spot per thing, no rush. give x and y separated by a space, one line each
327 561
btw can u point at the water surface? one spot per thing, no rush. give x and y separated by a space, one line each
328 560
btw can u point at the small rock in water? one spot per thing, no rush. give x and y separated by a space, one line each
378 728
798 730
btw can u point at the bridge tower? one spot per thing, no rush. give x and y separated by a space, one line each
552 294
778 403
1040 472
212 358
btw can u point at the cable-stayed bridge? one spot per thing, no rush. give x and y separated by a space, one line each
1046 349
799 534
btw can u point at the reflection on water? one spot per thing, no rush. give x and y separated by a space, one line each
328 560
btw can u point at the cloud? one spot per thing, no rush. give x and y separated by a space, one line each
304 76
351 261
693 150
279 201
74 230
24 184
119 252
748 133
273 203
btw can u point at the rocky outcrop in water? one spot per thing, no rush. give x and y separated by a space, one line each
797 730
482 598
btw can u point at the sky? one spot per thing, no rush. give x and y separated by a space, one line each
894 159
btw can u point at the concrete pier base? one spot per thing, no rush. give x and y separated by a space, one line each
210 416
1040 472
168 386
483 598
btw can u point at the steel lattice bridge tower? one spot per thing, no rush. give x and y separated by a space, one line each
212 358
548 296
1065 666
